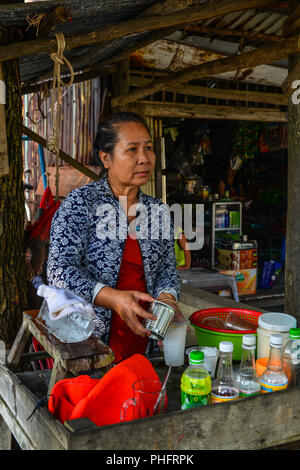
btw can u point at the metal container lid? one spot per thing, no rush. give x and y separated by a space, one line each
276 321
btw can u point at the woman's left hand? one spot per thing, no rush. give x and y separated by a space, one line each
170 300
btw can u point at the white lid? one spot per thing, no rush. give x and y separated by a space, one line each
249 341
226 346
276 340
277 321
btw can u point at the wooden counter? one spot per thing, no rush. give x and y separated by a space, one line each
253 423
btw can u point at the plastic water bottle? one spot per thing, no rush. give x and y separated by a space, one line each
291 357
195 383
223 388
248 381
72 328
274 378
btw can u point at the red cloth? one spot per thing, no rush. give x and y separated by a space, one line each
41 227
123 341
101 400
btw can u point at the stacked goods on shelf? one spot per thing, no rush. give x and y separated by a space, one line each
239 259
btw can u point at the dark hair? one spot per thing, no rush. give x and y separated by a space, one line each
107 134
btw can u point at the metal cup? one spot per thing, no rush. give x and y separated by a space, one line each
164 316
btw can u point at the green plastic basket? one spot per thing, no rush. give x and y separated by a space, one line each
209 336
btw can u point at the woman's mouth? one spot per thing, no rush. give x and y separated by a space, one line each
142 173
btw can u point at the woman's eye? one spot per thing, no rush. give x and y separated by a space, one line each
149 148
132 149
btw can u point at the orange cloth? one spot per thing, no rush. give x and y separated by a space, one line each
101 400
123 341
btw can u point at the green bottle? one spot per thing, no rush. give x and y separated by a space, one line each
195 383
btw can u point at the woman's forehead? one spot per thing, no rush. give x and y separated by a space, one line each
133 132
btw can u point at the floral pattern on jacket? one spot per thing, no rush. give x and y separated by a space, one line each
83 253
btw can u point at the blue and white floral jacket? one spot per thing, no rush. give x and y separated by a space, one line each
87 239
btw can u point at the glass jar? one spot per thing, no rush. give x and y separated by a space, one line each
272 323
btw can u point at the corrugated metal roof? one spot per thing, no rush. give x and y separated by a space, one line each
94 14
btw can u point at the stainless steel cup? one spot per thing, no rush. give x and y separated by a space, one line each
164 316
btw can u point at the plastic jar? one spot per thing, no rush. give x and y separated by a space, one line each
273 323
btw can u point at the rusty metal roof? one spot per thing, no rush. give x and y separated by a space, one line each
214 40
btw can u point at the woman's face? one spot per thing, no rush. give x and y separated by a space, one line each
133 159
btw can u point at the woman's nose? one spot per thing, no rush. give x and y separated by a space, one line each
143 157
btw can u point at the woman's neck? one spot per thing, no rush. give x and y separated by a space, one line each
118 190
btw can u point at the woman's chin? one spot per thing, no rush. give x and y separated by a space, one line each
141 178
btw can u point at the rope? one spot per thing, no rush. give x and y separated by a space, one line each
35 21
58 59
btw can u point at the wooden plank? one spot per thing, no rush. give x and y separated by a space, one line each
248 424
4 165
278 99
19 344
229 32
204 111
247 60
87 74
132 26
80 424
42 431
40 140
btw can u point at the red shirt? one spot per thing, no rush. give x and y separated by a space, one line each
123 341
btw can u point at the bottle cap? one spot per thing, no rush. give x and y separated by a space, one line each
196 357
274 321
294 333
276 340
226 346
249 341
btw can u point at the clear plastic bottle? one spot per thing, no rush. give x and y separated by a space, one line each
274 378
223 388
195 383
72 328
248 381
291 357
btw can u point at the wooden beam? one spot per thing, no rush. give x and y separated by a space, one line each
168 6
129 27
204 111
64 156
292 23
252 35
219 93
246 60
79 77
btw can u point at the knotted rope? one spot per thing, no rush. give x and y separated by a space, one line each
59 59
34 21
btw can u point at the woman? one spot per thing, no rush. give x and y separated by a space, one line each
229 183
91 252
182 251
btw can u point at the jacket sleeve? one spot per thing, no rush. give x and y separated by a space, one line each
167 279
68 240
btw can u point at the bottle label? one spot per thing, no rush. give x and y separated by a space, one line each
191 401
267 388
244 394
222 398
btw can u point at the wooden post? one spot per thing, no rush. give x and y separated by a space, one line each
121 81
292 257
13 284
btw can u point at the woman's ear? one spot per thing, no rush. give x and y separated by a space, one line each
105 159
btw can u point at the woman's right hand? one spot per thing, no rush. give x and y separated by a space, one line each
125 303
